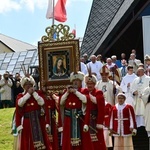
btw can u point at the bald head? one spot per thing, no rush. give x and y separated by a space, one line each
93 58
109 61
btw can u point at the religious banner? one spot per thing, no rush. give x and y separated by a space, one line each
58 57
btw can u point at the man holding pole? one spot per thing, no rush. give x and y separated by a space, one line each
75 134
97 112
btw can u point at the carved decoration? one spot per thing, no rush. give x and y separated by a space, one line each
58 32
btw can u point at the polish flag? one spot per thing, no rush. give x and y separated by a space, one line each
59 10
74 32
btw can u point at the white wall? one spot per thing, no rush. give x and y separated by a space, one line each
146 34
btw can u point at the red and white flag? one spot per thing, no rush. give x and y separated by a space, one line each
74 32
59 10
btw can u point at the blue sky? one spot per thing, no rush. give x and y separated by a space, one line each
25 19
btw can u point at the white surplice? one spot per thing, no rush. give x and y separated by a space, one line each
139 84
124 86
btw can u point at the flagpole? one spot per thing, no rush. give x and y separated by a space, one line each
53 12
75 29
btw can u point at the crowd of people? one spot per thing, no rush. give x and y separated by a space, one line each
10 87
108 99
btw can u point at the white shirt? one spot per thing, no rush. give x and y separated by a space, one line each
83 68
127 79
95 68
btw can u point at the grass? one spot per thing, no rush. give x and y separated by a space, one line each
6 138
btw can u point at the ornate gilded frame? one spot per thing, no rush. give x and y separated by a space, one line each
68 51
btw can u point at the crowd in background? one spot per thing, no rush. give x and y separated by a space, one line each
9 89
120 82
95 62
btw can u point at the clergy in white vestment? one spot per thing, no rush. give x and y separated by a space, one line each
84 71
125 85
115 73
137 88
145 94
134 62
147 62
95 66
83 68
110 88
109 63
147 116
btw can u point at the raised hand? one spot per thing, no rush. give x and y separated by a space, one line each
31 90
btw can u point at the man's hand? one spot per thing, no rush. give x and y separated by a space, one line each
135 93
6 81
31 90
128 85
56 98
85 128
70 89
131 129
47 128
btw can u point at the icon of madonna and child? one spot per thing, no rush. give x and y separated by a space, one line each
59 68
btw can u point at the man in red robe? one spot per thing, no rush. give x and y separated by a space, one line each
107 137
97 112
30 118
74 121
50 116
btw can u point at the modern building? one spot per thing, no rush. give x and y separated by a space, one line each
116 26
9 44
15 53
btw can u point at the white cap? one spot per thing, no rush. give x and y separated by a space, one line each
27 79
79 75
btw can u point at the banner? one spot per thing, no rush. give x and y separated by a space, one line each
58 11
146 34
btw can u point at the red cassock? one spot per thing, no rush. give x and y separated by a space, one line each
73 136
50 109
97 112
122 121
107 137
31 117
108 108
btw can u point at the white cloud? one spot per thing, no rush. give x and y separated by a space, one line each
41 3
8 5
31 4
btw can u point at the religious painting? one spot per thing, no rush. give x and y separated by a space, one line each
56 61
58 64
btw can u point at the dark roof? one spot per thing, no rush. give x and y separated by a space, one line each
101 15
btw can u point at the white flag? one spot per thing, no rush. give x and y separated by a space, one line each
50 9
59 10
